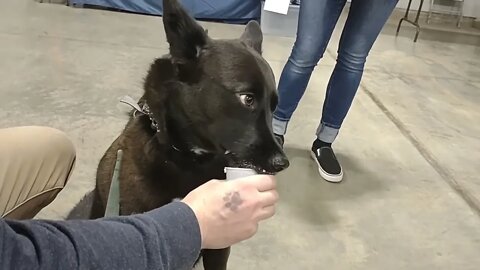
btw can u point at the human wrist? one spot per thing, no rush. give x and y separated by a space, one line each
178 229
199 221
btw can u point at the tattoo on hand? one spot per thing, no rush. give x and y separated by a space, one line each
232 200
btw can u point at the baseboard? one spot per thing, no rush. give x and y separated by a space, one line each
63 2
476 24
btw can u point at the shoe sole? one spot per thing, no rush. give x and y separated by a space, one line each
333 178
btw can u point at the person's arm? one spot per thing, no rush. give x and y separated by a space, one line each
165 238
215 215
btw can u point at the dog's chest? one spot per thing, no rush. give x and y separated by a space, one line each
178 179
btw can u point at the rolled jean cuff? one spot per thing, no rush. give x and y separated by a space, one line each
279 126
326 134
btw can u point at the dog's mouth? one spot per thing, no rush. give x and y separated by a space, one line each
248 165
234 161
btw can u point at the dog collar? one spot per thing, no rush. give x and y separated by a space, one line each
145 110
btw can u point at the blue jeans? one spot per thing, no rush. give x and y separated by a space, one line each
316 22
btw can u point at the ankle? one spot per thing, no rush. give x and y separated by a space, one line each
319 144
280 139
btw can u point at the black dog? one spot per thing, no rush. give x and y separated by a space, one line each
210 105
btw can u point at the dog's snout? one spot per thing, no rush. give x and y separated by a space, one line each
279 162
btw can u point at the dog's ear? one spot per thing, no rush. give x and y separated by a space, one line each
185 36
252 36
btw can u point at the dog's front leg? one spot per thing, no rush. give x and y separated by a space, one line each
215 259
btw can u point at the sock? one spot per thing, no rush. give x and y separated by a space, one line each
319 144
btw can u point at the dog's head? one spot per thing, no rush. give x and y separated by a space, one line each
215 96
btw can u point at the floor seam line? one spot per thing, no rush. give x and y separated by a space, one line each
471 201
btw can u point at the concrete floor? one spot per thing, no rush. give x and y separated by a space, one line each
410 145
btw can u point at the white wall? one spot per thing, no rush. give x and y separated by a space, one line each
477 10
471 8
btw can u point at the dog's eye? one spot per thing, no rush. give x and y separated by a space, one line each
247 99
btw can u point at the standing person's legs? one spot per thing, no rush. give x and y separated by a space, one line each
35 163
316 21
366 19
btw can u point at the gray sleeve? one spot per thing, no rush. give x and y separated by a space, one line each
165 238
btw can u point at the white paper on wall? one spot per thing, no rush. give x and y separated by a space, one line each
277 6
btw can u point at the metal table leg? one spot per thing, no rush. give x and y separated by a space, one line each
415 23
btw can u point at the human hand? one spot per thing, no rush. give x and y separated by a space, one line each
229 211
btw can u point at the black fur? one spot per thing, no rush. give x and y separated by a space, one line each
201 96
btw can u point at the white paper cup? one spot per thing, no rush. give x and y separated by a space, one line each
235 173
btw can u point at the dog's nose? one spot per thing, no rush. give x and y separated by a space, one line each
280 162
